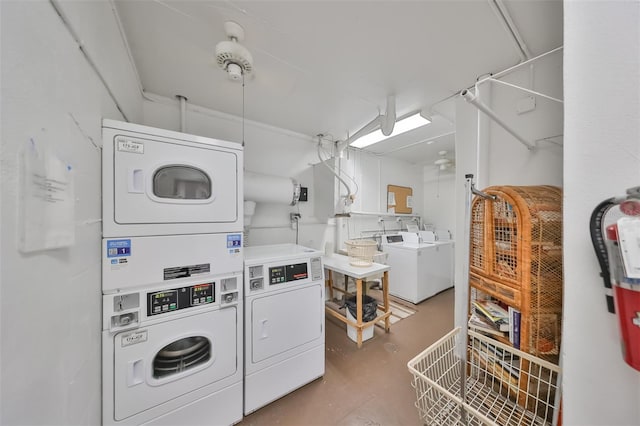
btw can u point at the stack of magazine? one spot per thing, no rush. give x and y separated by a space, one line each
490 318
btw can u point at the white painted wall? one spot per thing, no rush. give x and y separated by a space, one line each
50 311
602 159
440 198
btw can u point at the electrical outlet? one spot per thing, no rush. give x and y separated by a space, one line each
294 217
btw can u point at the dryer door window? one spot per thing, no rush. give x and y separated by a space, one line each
181 355
181 183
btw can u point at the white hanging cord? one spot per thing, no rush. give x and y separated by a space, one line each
242 107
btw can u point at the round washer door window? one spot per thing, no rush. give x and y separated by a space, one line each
181 355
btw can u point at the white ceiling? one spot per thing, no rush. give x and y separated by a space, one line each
328 66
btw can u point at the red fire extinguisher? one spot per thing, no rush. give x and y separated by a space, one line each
615 233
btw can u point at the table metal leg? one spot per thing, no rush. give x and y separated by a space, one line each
359 310
385 299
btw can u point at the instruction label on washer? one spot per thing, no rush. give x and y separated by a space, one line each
133 338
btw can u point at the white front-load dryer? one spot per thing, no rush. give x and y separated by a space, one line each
284 321
173 354
160 182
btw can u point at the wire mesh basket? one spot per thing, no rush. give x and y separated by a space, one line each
361 252
502 385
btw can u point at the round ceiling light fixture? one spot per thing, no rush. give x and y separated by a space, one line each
231 56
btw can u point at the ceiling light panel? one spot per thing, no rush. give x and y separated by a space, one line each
402 126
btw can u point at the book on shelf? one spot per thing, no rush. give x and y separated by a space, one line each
482 325
514 327
493 312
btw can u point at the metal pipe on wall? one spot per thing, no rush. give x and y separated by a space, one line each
183 113
473 100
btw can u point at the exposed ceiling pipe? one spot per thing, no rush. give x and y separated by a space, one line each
87 56
473 100
183 113
350 196
384 122
500 9
388 120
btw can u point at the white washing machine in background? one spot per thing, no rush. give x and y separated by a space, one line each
419 270
284 321
173 354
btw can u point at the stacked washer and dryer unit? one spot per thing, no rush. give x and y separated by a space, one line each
172 278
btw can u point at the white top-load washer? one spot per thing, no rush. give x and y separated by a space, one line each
284 321
419 269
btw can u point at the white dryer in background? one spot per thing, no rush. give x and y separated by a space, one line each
284 321
172 354
159 182
419 270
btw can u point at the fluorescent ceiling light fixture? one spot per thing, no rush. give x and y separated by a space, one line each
409 123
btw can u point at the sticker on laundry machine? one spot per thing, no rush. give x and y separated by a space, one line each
118 248
127 145
234 243
133 338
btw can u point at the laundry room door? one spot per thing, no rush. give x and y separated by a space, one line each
286 320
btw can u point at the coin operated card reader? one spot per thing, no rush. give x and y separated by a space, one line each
615 233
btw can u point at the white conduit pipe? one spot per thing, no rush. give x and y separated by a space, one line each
502 13
349 195
183 113
533 92
384 122
67 24
473 100
521 64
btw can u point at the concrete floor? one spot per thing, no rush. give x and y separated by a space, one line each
367 386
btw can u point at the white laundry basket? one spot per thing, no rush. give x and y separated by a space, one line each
503 386
361 252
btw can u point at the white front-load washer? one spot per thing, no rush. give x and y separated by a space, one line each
284 321
173 354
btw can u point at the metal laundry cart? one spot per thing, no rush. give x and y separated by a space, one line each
467 378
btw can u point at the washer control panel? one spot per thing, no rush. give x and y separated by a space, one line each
160 302
287 273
